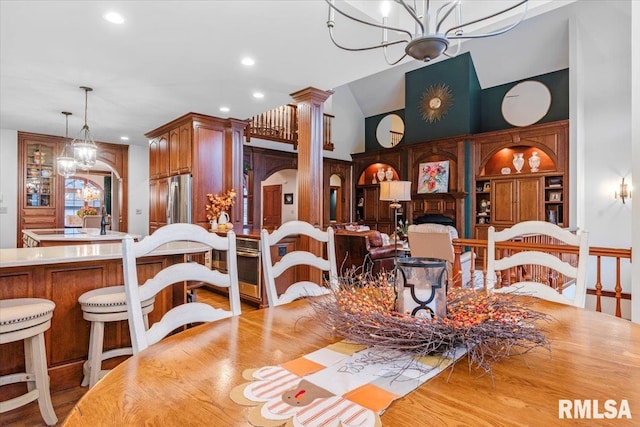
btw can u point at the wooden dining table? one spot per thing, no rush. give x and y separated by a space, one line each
186 379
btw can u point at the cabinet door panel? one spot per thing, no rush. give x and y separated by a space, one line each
529 199
185 148
174 151
371 204
503 195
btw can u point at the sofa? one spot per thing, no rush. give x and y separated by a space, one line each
365 250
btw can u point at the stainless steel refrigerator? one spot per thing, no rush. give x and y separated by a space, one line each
179 199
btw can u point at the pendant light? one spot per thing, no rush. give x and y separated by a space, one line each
65 162
84 148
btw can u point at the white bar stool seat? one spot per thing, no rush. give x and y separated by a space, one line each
100 306
27 319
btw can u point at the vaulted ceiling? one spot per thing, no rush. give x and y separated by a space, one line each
172 57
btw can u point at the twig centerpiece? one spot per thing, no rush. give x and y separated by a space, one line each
491 326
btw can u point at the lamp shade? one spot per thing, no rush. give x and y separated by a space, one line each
395 191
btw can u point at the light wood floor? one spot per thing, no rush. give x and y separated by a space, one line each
65 400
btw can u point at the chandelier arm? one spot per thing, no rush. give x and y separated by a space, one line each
452 6
411 11
360 49
384 50
493 33
454 54
331 23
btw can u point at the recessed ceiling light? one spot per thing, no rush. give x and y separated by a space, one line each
124 138
224 109
114 18
248 61
258 95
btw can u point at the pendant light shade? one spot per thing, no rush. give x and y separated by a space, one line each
84 148
65 162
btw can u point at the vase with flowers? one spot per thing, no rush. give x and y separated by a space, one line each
217 208
86 210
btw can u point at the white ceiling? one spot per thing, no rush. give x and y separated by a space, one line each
173 57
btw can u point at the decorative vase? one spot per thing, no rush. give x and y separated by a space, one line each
518 161
214 225
373 179
421 286
389 174
534 161
381 175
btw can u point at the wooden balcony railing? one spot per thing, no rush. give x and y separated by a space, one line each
281 125
611 287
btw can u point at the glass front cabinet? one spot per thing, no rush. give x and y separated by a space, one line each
39 175
38 183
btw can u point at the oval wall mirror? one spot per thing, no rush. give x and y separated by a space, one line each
526 103
390 130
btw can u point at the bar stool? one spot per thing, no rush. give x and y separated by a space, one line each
27 319
100 306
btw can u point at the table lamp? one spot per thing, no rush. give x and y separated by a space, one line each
395 192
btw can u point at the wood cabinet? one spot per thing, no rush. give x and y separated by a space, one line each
41 191
67 341
38 187
509 190
159 156
210 149
371 168
158 203
180 150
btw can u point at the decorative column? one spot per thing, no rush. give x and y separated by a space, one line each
310 115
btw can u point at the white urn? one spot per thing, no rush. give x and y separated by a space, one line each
534 161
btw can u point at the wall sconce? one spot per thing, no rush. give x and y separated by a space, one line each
623 192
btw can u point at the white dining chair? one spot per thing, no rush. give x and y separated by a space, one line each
184 314
519 268
298 257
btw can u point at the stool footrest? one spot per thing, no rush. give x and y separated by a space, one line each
19 401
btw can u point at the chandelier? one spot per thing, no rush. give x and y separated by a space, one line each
88 194
84 148
433 32
65 162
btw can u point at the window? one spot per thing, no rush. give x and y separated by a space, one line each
72 197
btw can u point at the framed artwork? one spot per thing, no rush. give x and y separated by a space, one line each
555 196
433 177
487 186
288 198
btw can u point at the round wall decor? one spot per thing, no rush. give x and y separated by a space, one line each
435 102
526 103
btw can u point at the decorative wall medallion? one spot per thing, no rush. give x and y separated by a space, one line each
435 102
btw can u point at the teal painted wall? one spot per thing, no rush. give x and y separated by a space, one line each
474 110
370 127
491 101
459 75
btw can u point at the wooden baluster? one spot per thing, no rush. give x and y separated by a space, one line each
618 288
598 283
457 271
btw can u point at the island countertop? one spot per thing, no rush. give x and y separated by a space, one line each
19 257
70 236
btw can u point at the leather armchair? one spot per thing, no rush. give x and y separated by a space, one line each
364 250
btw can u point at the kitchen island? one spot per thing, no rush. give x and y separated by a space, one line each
70 236
63 273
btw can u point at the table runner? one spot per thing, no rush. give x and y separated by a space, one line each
344 384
